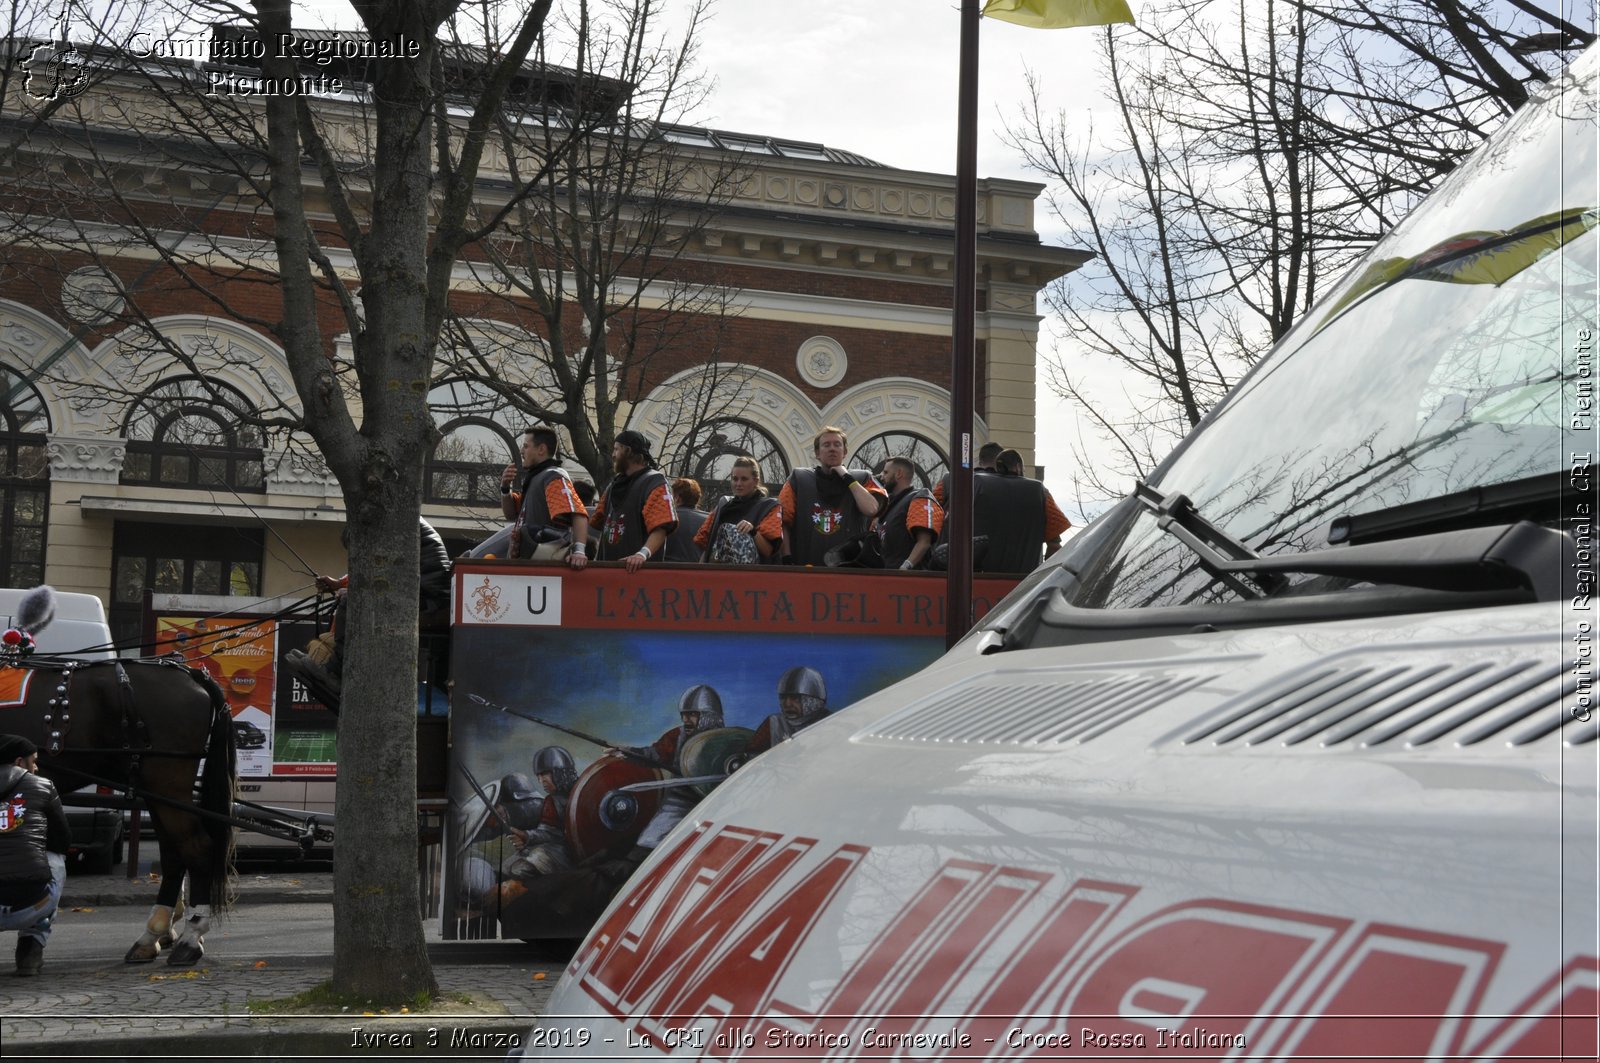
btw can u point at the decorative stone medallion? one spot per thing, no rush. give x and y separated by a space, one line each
822 362
91 296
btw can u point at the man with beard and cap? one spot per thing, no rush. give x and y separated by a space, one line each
34 836
826 506
802 701
636 511
912 519
540 497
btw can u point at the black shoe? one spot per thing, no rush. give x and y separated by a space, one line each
30 957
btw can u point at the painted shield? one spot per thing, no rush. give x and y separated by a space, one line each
474 814
599 816
715 752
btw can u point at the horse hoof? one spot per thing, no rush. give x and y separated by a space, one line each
166 941
185 955
141 954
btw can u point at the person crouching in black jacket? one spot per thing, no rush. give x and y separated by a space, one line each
33 850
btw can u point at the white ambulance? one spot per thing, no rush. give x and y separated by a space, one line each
1291 755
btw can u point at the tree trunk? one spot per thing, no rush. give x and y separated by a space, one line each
379 950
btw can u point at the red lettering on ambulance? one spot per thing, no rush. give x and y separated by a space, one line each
706 906
741 980
1398 993
1019 986
612 932
945 954
1209 964
890 965
638 950
1558 1022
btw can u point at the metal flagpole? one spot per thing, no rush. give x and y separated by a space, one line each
958 579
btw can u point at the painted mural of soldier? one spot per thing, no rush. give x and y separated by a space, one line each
543 848
699 710
654 785
802 701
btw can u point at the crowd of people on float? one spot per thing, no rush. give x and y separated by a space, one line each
826 515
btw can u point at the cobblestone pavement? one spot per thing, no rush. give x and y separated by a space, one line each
102 1008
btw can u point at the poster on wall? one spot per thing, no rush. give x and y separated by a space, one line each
280 729
304 737
592 710
240 653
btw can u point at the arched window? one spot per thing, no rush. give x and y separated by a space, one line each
186 433
717 443
464 468
24 482
929 459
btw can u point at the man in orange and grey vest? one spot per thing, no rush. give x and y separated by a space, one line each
541 499
636 511
912 519
1017 514
828 505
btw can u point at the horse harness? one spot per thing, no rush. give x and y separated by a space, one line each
134 729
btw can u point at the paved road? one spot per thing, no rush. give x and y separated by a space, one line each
86 938
87 1002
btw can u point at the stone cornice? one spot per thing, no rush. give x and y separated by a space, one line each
226 252
799 212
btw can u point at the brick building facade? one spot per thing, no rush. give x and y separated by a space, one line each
839 270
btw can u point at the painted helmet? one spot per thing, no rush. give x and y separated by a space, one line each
703 699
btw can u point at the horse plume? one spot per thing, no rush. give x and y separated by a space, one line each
37 609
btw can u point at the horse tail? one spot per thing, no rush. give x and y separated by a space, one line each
218 787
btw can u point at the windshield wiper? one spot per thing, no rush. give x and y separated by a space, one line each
1522 556
1218 551
1531 498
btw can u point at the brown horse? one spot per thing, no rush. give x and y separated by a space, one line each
146 725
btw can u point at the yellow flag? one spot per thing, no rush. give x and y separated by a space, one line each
1058 14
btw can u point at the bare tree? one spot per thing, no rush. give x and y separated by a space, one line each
1145 304
1259 149
599 256
337 206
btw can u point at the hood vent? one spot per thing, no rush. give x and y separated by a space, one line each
1375 703
1031 711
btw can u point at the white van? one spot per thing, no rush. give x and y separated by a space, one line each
1290 755
79 629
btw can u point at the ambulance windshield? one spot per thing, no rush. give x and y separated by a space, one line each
1457 355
